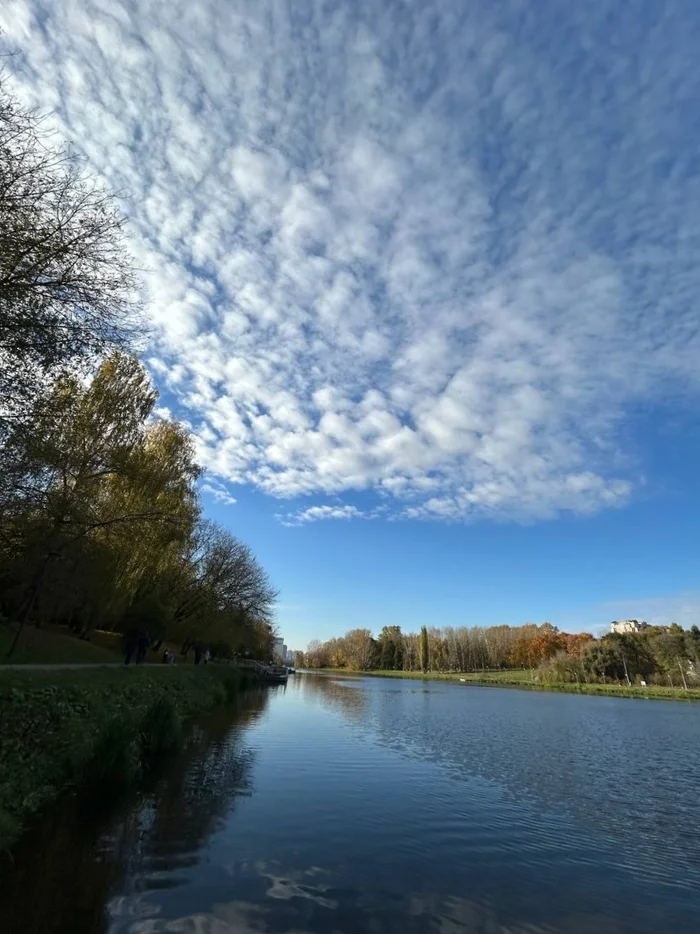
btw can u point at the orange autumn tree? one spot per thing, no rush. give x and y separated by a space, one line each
536 644
575 642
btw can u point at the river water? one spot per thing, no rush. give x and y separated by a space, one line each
369 805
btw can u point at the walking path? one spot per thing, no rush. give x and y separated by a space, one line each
69 665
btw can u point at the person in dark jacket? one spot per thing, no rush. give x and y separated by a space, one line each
143 643
131 645
197 654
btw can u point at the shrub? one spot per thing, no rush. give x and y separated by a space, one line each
561 669
161 729
220 693
116 759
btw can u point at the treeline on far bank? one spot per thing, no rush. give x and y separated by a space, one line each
100 521
657 655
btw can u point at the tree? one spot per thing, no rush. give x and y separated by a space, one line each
99 514
390 643
316 655
671 650
424 649
387 656
692 641
66 279
562 667
103 488
222 593
620 656
603 660
576 642
361 649
559 656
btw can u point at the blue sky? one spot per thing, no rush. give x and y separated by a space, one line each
423 280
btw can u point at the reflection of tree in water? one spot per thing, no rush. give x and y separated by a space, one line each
82 849
198 790
344 694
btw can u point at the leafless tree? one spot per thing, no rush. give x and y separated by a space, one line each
67 283
221 579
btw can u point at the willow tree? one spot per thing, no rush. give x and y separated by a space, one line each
105 492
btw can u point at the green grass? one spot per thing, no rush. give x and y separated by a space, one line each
512 677
99 724
55 647
652 691
522 678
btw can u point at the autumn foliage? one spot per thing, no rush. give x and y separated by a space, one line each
667 655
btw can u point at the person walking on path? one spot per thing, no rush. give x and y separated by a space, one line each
143 642
131 646
197 654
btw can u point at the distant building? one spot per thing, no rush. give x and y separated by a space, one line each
285 655
628 625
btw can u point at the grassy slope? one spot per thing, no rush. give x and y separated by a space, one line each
51 722
523 678
57 645
54 647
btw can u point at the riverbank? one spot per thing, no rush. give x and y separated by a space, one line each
98 725
522 678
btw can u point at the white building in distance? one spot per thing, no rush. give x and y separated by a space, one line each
628 625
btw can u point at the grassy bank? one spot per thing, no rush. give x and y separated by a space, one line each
57 645
54 646
522 678
100 726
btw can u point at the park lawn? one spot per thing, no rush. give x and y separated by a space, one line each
511 676
56 646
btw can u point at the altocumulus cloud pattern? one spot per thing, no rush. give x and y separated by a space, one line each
437 251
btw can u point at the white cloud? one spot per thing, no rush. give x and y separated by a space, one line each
320 514
219 493
402 260
334 511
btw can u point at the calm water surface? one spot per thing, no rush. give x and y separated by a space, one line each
353 805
